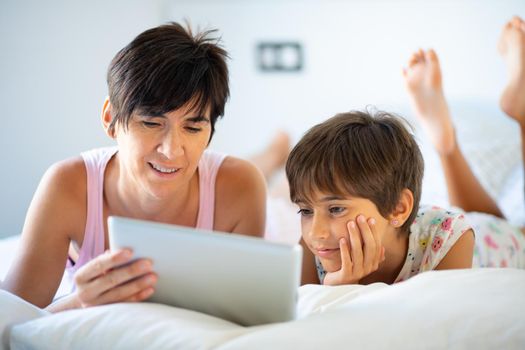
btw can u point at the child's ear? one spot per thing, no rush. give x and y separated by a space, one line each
403 208
107 118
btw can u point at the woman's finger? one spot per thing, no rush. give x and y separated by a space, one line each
142 295
102 263
121 274
128 290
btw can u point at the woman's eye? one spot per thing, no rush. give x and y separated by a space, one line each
337 210
192 129
304 212
150 124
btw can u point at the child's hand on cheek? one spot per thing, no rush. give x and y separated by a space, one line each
361 253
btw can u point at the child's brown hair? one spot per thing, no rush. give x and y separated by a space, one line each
360 153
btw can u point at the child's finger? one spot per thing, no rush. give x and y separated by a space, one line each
346 260
377 240
369 244
356 248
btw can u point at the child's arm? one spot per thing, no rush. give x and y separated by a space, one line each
309 272
460 255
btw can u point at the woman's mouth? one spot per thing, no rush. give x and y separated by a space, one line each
163 170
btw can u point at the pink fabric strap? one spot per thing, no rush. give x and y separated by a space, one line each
208 168
94 236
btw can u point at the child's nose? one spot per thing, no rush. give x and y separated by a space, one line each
320 228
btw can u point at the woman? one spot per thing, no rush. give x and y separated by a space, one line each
167 88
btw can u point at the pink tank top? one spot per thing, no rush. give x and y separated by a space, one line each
94 235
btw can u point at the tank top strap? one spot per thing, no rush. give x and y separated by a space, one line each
208 168
95 161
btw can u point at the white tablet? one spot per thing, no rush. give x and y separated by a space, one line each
242 279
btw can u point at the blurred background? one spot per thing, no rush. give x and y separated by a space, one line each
293 64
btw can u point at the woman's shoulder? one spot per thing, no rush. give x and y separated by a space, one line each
68 174
238 178
71 173
234 170
241 190
59 203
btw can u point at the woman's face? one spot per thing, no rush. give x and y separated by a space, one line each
324 222
160 154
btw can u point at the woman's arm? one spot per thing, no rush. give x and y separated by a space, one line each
460 255
56 215
52 216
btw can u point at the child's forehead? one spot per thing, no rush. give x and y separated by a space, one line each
320 196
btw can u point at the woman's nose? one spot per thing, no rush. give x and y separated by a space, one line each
172 145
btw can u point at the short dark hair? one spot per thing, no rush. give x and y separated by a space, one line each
165 68
364 154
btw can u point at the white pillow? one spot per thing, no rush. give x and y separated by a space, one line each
480 308
14 311
8 249
125 326
454 309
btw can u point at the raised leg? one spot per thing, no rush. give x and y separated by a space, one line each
424 84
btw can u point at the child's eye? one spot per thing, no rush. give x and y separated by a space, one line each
337 210
305 212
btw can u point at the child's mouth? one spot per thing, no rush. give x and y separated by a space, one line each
325 253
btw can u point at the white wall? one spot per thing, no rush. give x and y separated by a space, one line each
53 60
354 53
54 55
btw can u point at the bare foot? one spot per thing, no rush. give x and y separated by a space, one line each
423 82
512 47
274 155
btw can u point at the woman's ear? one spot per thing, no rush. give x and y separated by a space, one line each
107 118
403 208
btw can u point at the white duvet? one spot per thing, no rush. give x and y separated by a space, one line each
455 309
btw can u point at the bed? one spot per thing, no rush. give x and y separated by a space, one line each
459 309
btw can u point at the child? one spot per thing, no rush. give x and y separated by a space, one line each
424 84
167 88
357 181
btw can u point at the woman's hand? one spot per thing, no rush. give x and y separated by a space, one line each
361 253
112 277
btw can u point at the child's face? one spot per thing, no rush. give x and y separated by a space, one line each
324 222
160 154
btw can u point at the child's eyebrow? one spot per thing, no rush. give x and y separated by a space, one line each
332 198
